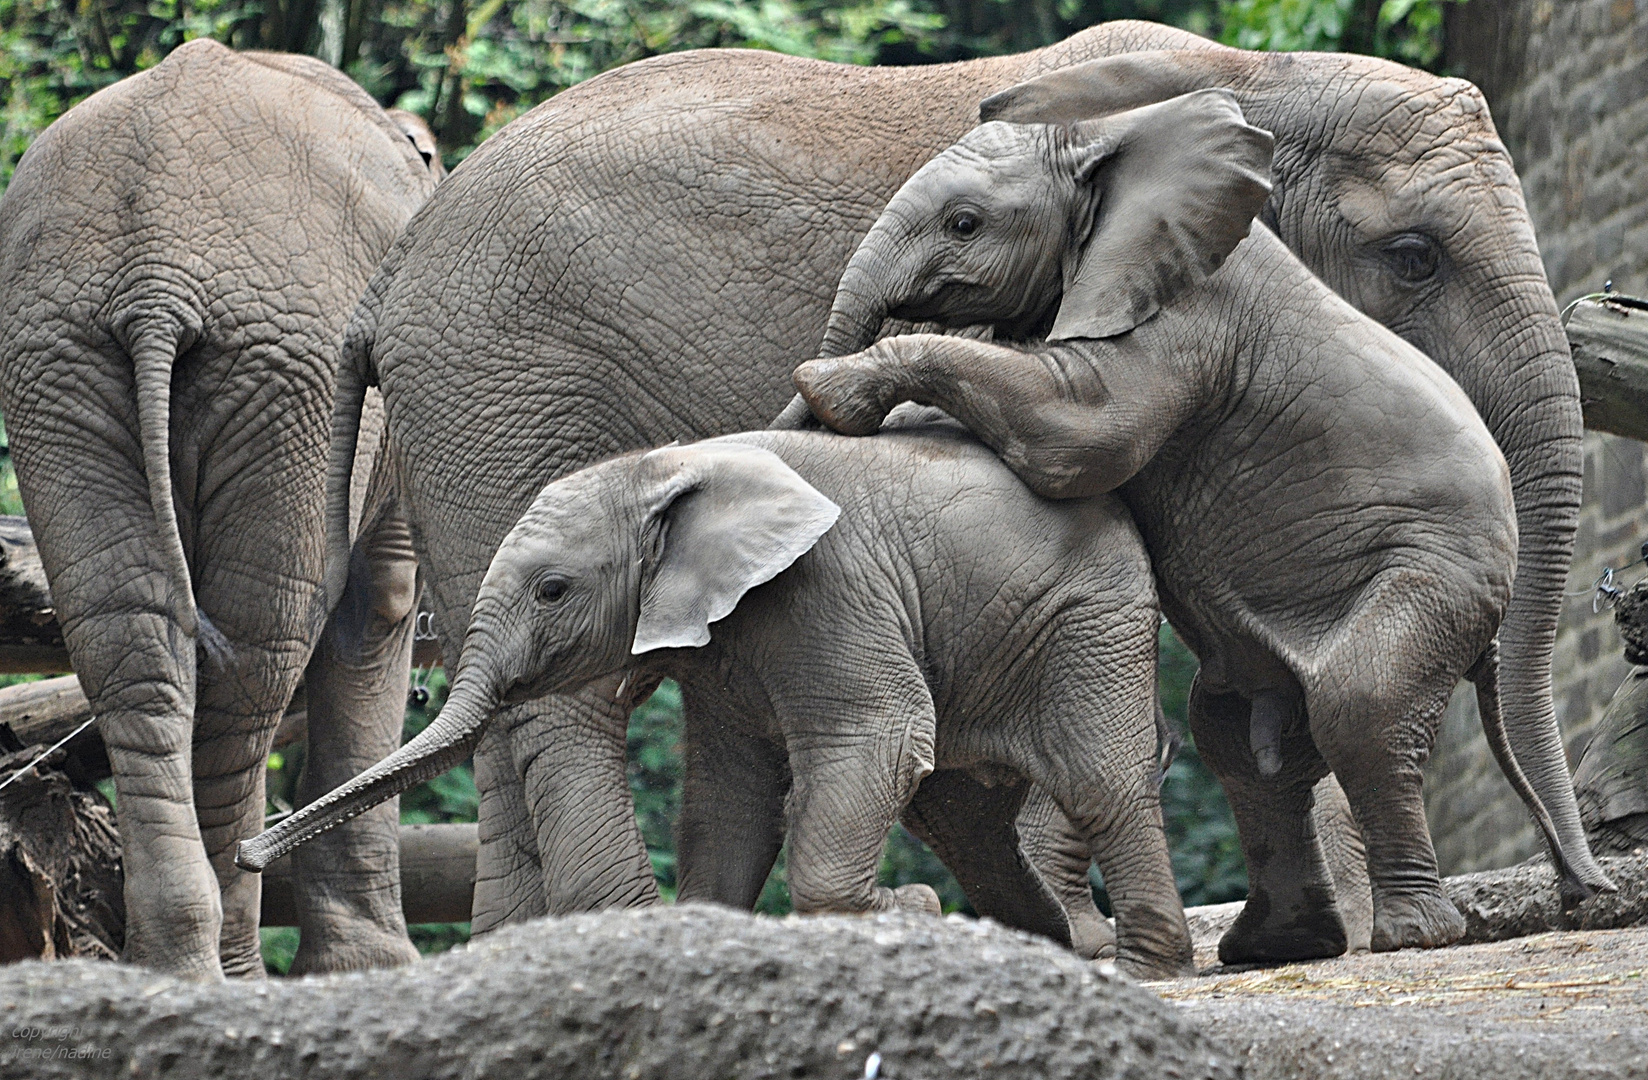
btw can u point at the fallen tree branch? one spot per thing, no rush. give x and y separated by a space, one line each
1609 341
437 877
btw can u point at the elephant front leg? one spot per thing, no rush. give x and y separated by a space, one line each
857 753
572 756
1290 912
348 879
509 882
1064 427
732 812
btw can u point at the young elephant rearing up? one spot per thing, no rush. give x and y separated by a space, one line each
1330 521
948 619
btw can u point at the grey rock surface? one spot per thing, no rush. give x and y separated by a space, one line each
690 991
1549 1007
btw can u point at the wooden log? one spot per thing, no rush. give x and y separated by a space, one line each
38 714
1609 341
61 893
437 877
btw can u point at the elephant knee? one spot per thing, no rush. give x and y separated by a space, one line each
394 594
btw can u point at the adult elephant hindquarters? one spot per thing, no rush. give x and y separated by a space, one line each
648 255
178 258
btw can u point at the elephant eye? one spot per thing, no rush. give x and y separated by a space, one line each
552 589
1413 257
964 223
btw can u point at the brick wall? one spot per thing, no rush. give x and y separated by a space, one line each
1568 84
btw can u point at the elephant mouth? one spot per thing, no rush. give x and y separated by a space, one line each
966 305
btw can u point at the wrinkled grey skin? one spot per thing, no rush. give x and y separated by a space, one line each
178 258
947 619
1330 521
648 255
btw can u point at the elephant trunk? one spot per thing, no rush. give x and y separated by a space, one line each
1543 447
440 747
862 300
860 307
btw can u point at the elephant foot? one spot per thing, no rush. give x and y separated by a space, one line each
1091 935
1420 920
918 899
356 948
842 392
1263 936
1153 969
174 923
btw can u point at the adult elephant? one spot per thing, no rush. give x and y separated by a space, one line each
179 255
649 254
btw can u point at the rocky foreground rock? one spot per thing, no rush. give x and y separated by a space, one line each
690 992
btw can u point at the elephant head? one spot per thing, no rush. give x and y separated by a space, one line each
1393 187
1116 216
628 557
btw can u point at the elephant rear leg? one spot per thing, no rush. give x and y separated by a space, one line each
857 750
979 833
1375 714
348 879
1290 912
240 704
118 608
1095 753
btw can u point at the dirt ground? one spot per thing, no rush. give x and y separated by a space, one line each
1550 1006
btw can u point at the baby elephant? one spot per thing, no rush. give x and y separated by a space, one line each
918 608
1330 521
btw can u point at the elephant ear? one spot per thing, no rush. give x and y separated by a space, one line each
1176 187
728 516
1114 83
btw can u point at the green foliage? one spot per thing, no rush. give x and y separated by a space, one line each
655 777
471 66
1201 833
1406 30
279 945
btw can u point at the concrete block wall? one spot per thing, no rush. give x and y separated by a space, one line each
1567 81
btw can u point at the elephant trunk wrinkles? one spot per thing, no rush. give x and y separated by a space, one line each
440 747
861 302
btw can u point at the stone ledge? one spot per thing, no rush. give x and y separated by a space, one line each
1549 1007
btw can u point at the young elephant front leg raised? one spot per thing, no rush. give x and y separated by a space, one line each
1065 427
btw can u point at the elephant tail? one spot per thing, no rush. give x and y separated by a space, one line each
154 349
353 379
1484 674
